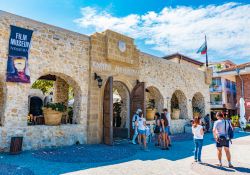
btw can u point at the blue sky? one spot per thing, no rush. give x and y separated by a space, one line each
159 27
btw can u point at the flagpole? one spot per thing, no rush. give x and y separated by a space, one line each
206 51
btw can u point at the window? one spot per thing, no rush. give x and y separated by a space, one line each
228 84
234 98
216 81
234 86
228 97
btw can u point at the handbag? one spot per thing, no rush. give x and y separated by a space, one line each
223 139
157 129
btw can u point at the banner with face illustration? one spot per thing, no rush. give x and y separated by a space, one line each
19 44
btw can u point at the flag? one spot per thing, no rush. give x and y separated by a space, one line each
203 49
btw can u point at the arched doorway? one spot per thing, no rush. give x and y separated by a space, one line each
121 110
198 104
154 99
55 88
179 105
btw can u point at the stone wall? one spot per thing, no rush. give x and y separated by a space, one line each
54 51
169 77
74 58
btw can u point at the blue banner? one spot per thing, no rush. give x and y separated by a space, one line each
19 44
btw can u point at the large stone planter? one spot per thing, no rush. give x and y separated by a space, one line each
150 114
176 114
52 117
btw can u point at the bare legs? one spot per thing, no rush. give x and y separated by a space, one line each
219 154
140 137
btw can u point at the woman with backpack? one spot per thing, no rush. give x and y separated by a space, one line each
157 129
165 131
198 133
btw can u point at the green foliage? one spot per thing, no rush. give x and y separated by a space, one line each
71 93
217 98
247 127
235 120
70 113
219 67
45 85
56 106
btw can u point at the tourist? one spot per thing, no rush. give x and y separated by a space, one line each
135 118
48 99
207 122
164 133
198 133
167 115
220 131
141 124
157 129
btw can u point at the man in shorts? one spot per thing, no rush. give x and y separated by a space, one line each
220 131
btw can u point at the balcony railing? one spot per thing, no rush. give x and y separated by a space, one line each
216 88
216 103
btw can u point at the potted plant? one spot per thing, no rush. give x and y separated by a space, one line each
235 121
53 113
151 110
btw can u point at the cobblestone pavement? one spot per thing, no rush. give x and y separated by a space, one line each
127 159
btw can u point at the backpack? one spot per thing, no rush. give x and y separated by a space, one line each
230 131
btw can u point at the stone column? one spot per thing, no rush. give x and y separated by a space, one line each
61 90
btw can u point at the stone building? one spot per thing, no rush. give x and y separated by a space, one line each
94 66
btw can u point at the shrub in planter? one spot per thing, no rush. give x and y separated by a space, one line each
235 120
53 113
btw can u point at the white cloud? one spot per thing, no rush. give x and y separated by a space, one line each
182 29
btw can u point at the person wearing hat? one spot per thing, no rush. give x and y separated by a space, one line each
135 128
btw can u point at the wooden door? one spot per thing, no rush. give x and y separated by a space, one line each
137 101
108 113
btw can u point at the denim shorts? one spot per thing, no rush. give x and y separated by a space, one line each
141 131
167 130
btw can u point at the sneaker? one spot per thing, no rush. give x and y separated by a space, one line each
219 164
230 165
199 161
133 142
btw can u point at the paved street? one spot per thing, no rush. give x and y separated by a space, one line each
124 159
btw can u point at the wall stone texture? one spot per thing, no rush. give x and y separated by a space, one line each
53 51
74 58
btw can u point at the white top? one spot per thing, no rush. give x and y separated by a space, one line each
197 132
141 125
168 118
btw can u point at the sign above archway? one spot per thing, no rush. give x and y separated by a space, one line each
115 48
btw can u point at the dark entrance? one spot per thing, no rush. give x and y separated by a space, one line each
137 100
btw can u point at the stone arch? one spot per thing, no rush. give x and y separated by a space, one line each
120 89
154 93
179 101
62 78
2 101
198 103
